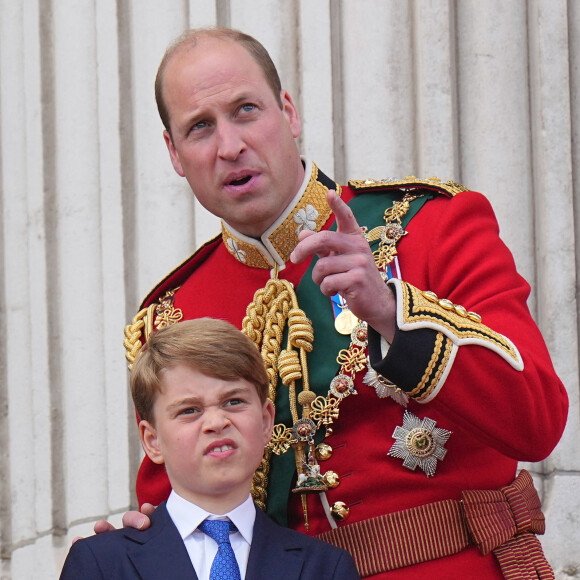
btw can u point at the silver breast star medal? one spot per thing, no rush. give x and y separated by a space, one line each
419 443
383 387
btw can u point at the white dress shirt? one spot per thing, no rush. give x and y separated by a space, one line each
201 548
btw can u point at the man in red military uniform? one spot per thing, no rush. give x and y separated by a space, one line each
406 370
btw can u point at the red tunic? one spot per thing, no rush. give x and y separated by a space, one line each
498 415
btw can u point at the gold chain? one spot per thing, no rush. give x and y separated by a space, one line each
325 410
393 231
353 359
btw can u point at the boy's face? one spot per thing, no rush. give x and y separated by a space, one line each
210 434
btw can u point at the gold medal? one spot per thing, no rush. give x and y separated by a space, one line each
345 322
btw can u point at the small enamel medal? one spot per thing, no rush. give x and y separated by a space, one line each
344 320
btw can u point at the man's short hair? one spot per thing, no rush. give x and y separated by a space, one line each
189 39
212 347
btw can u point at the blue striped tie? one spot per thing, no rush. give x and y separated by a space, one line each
225 565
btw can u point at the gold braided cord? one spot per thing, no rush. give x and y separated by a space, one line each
272 307
292 364
290 372
264 324
254 322
290 369
300 333
154 317
138 328
305 379
260 480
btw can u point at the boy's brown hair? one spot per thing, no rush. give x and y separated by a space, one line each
212 347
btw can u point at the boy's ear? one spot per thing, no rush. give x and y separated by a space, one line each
268 413
150 442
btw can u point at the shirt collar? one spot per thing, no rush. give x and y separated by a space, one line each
187 516
308 210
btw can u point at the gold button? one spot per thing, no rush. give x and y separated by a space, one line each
474 316
460 310
430 296
331 479
323 451
340 511
447 304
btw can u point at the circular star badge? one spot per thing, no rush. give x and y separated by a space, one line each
342 386
419 443
304 429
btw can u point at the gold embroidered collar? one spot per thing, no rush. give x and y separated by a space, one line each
308 210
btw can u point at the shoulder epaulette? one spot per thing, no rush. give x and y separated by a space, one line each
157 310
448 187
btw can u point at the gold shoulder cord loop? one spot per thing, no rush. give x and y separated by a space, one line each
140 326
154 317
272 308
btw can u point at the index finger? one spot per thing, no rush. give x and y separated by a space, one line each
345 221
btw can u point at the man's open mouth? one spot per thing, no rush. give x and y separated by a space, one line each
241 181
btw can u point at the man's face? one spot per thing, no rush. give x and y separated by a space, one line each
210 434
230 138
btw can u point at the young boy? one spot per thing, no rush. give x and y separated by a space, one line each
200 390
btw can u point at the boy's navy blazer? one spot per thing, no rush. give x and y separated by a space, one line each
159 553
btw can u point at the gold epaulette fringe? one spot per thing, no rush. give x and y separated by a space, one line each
154 317
138 329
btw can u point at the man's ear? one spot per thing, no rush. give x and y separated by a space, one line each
150 442
175 161
268 413
291 112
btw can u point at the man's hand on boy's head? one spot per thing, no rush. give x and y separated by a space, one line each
132 519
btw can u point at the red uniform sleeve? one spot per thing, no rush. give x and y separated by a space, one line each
444 357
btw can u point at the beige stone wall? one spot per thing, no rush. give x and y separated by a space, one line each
482 91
